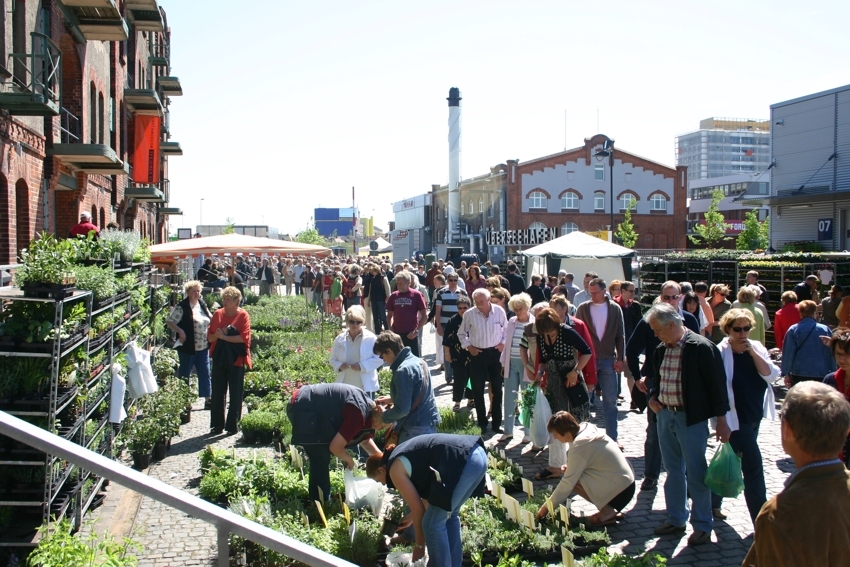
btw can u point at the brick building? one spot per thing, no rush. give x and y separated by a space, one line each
482 208
80 81
570 191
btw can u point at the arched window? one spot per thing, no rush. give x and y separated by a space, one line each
569 200
101 118
627 201
537 226
538 200
102 224
22 215
568 228
658 202
599 201
471 207
445 211
92 114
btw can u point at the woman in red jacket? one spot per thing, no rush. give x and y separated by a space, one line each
788 315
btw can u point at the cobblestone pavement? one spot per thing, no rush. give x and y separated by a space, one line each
171 538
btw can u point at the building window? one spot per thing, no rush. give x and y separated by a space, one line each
462 208
569 200
481 205
627 201
568 228
492 205
599 201
599 171
537 200
537 226
658 202
445 211
446 236
471 207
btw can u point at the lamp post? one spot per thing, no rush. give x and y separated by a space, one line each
608 151
201 220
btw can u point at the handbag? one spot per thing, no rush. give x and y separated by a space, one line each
577 394
394 430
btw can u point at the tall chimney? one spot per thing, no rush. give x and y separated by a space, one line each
454 164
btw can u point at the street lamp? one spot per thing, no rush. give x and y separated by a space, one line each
608 151
201 220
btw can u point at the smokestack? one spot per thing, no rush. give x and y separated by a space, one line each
454 164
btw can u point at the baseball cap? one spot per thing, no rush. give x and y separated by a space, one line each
85 215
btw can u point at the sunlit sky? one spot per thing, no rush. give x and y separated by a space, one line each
289 104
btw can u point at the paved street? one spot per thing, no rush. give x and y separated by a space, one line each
171 538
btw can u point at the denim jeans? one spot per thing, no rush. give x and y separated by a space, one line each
297 288
683 452
442 527
745 443
379 314
608 382
651 450
201 361
513 388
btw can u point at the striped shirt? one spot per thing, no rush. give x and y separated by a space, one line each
670 374
447 302
483 331
519 335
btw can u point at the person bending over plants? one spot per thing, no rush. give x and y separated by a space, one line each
596 470
435 474
326 420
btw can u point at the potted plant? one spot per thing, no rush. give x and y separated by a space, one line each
258 426
393 517
142 435
47 268
120 243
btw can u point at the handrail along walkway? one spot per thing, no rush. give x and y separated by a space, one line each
225 521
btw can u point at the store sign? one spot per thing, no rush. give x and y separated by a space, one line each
146 149
409 204
824 229
400 235
520 237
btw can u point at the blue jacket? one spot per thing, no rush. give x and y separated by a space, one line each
406 385
803 353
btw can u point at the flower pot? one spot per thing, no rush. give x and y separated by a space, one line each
186 416
265 437
141 461
388 528
249 436
159 451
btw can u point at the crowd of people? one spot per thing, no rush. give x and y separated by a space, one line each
695 362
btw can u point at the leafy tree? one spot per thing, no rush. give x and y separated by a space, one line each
756 235
715 227
230 226
311 236
626 230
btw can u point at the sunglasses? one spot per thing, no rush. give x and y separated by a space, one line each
742 329
624 290
353 322
669 297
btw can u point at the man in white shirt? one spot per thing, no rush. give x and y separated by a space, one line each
482 333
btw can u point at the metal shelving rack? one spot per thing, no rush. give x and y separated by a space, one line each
55 477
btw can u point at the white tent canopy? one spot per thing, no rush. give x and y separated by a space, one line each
383 245
578 253
234 244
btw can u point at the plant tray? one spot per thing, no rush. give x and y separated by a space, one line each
97 342
48 291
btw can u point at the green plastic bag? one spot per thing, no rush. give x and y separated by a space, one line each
723 476
527 399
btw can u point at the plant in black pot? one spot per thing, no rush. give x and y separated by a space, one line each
142 435
47 267
258 426
392 518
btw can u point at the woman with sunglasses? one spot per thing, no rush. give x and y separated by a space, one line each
749 374
840 379
351 355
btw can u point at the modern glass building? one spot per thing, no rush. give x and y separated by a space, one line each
725 146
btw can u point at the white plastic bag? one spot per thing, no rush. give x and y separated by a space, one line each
361 492
140 378
537 428
117 413
402 559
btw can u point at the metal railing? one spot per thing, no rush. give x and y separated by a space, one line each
38 72
69 127
226 522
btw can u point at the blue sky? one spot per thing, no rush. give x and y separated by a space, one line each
289 104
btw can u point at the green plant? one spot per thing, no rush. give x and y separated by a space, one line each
626 234
100 281
125 243
165 363
59 547
47 260
603 558
141 435
714 229
755 235
395 513
458 423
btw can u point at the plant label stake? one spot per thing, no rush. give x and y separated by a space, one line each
551 507
565 514
305 520
520 468
567 557
496 490
321 495
347 513
352 529
527 487
502 453
321 512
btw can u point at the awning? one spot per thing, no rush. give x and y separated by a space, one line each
233 243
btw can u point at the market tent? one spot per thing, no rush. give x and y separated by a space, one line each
381 245
580 253
233 244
